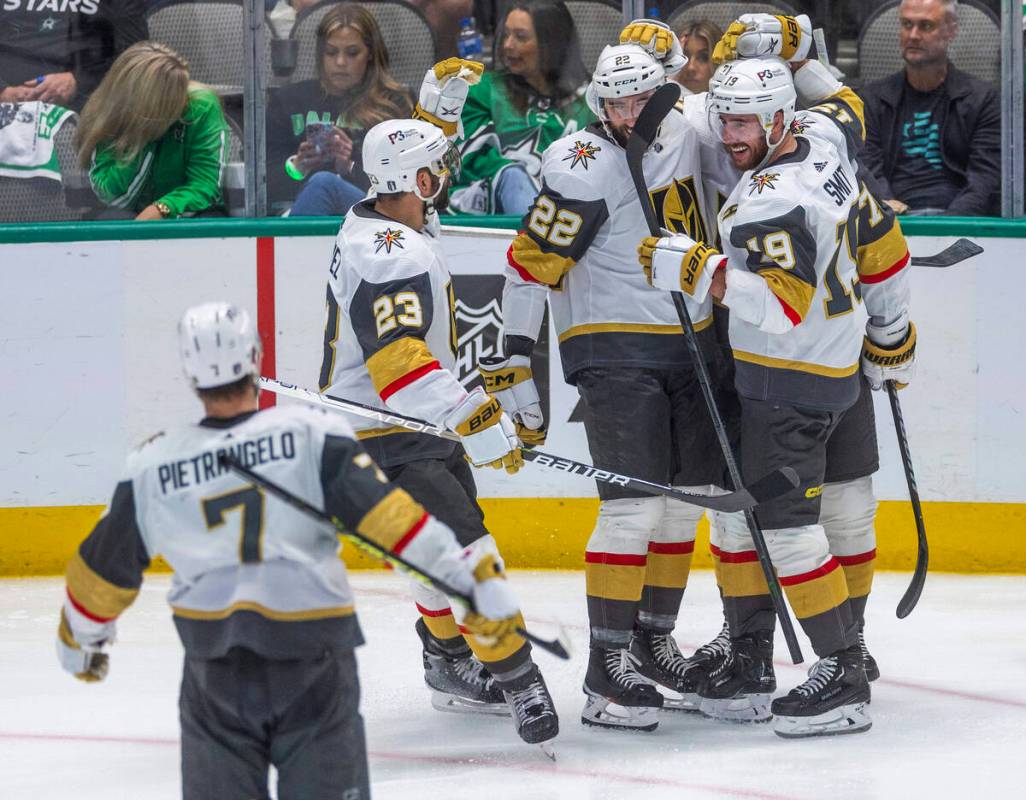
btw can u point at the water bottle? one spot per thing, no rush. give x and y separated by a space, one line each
470 44
653 13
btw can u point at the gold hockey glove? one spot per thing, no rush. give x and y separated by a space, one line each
486 432
443 93
511 382
658 39
678 263
896 363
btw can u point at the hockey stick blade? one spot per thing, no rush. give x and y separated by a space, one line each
950 255
559 647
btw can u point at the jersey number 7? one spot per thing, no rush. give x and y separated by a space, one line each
251 502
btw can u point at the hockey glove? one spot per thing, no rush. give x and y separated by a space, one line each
511 382
759 35
496 612
486 433
658 39
86 662
889 355
678 263
444 93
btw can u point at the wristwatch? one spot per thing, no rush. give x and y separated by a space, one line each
163 208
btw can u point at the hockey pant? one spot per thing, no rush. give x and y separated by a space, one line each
637 563
446 489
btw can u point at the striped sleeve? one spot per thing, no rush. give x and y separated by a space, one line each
115 182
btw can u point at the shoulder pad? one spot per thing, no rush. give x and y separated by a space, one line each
583 166
383 249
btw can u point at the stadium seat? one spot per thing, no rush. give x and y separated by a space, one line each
408 37
976 49
598 23
723 12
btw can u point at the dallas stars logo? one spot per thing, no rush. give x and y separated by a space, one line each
763 180
387 238
581 153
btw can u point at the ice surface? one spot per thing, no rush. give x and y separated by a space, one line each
949 712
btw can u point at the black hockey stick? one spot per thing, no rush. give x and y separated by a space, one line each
915 588
950 255
769 486
641 138
558 647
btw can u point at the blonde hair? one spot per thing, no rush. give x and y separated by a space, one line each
704 28
376 99
143 94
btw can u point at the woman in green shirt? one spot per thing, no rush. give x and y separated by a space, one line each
154 142
535 97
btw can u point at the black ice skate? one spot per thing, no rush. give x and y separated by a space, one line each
741 687
458 681
832 701
617 695
663 665
534 713
872 670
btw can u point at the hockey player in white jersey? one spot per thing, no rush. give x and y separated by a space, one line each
621 345
259 596
390 342
789 276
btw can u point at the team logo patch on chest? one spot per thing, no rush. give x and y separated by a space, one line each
582 153
763 180
678 208
388 239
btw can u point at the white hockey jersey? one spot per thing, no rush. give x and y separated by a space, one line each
580 241
250 570
390 337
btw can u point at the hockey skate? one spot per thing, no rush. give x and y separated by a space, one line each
533 711
872 670
832 701
741 687
662 664
617 695
459 683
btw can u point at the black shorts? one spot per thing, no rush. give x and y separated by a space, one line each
649 424
775 435
852 449
446 489
243 712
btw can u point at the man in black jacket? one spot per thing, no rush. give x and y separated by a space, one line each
57 51
933 133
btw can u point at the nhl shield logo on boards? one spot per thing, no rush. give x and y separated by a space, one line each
479 334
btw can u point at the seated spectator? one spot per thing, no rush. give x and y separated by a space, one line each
315 128
156 141
698 39
534 97
933 133
60 56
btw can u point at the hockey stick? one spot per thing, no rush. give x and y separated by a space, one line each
950 255
915 588
641 138
558 647
769 486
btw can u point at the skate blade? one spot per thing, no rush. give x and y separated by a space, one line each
454 704
747 708
675 701
548 750
853 718
601 713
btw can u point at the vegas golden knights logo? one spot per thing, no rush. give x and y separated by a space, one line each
678 210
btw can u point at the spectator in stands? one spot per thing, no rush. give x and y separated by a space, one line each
315 128
534 97
933 133
698 40
59 54
155 143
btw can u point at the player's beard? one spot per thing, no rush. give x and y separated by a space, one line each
441 201
753 156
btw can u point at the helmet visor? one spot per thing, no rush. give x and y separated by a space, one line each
449 163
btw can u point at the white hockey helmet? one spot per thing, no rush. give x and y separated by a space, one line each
623 70
219 345
759 86
396 149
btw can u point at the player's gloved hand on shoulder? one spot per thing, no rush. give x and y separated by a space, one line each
889 353
759 35
444 93
86 662
486 432
496 612
510 381
659 40
678 263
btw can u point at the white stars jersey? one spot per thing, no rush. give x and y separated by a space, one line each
390 337
580 241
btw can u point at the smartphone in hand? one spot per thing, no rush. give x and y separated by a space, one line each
317 134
